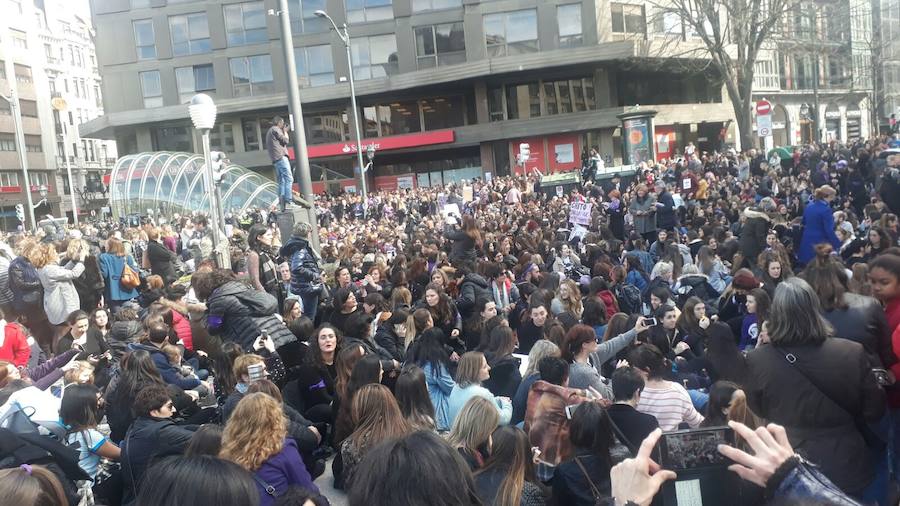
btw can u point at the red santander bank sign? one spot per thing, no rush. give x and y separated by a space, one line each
381 144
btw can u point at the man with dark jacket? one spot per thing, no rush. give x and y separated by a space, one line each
152 436
756 227
666 219
629 423
160 259
306 274
473 287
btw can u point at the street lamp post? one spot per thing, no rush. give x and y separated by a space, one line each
13 100
203 115
59 104
345 37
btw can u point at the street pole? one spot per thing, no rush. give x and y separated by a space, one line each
13 100
69 170
301 155
223 260
345 37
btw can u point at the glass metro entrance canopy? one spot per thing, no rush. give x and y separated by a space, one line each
171 182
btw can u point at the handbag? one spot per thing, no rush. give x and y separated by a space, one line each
873 440
599 499
129 279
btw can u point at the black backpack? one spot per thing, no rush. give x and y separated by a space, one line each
629 298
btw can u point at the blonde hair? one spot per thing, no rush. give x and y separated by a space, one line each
468 370
76 248
572 303
474 424
74 374
172 353
254 432
155 282
42 255
542 348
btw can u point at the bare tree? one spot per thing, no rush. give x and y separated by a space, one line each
731 35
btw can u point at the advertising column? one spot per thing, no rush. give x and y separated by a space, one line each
637 137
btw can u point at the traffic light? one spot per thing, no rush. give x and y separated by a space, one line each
20 212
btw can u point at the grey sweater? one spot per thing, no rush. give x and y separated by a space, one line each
588 375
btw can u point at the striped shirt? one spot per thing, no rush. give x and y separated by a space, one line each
671 405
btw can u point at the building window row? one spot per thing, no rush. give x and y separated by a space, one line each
251 75
33 144
193 80
539 98
374 56
314 65
190 34
8 179
144 39
245 23
361 11
7 142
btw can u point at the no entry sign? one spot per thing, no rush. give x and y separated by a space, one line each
763 108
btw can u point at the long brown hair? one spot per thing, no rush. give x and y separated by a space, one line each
441 313
376 416
510 454
470 227
254 432
346 359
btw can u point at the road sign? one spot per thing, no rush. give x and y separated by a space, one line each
765 132
764 125
763 108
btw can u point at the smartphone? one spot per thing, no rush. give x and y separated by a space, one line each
693 449
651 321
570 410
881 376
256 372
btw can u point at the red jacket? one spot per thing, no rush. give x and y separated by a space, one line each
182 327
14 347
609 300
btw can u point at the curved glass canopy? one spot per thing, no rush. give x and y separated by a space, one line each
167 182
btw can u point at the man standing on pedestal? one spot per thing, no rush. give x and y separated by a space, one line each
277 140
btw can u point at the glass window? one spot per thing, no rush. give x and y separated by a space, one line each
314 65
144 39
443 112
28 108
428 5
251 134
151 89
9 179
190 34
138 4
360 11
509 33
495 103
628 18
19 39
443 44
399 118
193 80
568 19
33 144
172 138
251 75
23 74
668 22
7 142
326 127
374 56
303 17
221 138
245 23
523 101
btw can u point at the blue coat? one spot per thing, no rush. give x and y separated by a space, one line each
440 384
111 268
818 228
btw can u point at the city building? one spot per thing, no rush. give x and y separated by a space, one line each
22 72
70 65
819 63
447 89
886 17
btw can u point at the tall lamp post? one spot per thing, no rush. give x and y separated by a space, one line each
13 100
59 104
203 116
345 37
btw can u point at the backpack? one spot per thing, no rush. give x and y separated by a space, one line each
629 298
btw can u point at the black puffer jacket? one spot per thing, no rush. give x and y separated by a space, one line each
473 287
753 234
305 270
90 284
28 293
864 322
505 376
239 313
390 341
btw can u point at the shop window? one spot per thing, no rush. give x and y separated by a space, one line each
399 118
172 138
322 128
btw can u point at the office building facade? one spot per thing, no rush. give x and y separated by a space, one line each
447 89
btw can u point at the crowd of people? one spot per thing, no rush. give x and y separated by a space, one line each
477 337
